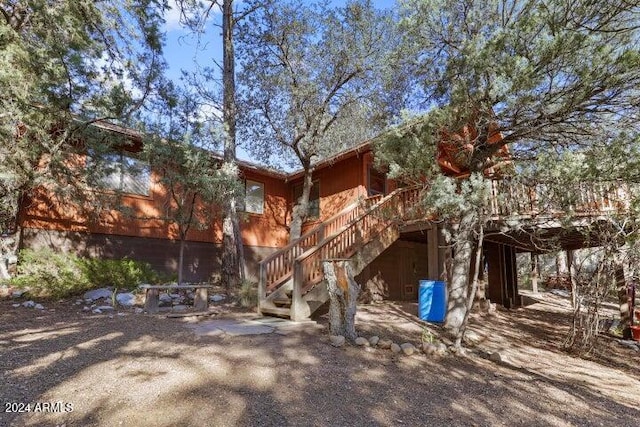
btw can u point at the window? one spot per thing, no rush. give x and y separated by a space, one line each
377 182
122 173
314 199
254 197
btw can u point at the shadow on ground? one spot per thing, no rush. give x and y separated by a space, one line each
138 370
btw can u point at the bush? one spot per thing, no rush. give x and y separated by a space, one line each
59 275
50 274
248 294
119 273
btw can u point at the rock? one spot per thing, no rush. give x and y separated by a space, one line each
497 357
337 340
408 348
104 308
165 298
633 345
15 305
441 349
138 310
96 294
79 301
385 344
396 348
121 314
88 301
362 342
180 308
472 337
96 311
29 304
175 296
85 308
374 340
217 297
429 348
126 299
17 293
39 307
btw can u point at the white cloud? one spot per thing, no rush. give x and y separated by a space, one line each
172 17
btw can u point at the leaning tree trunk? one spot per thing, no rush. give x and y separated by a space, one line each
458 291
474 288
343 295
301 207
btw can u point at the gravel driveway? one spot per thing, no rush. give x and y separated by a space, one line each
81 369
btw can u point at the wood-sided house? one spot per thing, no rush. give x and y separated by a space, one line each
356 214
340 182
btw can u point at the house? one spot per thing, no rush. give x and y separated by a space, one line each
357 213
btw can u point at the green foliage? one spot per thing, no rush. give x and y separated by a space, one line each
51 274
117 273
248 294
64 64
313 78
427 337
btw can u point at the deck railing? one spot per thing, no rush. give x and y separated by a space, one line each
510 198
342 235
277 268
389 210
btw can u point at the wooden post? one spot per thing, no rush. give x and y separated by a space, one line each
152 300
201 299
262 286
534 272
299 308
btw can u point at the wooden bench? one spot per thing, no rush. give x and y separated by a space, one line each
152 296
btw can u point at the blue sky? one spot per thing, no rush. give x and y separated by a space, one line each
180 49
182 53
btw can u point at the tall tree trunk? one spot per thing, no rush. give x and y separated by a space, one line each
534 272
9 232
474 288
458 292
181 260
301 207
232 253
621 284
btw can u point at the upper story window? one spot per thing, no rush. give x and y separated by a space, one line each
314 199
120 172
377 182
253 197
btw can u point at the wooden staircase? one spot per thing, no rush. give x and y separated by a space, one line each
291 283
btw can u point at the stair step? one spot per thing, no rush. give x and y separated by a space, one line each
277 311
282 302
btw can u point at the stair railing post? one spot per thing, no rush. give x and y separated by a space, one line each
299 308
262 286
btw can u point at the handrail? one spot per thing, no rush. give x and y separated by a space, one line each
390 209
539 199
276 268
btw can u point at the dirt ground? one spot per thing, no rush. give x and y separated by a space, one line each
141 370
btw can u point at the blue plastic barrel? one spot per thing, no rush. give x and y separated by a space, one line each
432 300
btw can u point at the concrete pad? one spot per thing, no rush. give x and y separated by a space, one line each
212 328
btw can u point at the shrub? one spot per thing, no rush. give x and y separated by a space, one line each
59 275
248 294
50 274
119 273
